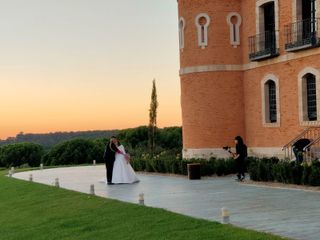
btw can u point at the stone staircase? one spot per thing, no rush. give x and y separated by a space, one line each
312 150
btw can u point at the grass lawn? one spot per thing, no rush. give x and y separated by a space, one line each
31 211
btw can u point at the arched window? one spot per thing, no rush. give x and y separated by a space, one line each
234 20
308 85
270 101
182 25
310 98
202 23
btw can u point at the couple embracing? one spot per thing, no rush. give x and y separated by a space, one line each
117 162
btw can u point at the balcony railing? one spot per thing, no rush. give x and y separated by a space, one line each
302 34
263 46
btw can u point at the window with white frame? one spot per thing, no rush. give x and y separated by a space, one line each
270 101
304 10
267 23
304 23
309 87
309 97
182 25
234 21
202 23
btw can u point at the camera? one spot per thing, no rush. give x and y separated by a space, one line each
227 148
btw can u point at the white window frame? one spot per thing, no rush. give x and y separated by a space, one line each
181 33
302 92
203 44
296 11
260 17
235 34
265 101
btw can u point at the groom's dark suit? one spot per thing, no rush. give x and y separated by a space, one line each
109 158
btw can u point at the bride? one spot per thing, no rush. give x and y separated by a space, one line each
122 170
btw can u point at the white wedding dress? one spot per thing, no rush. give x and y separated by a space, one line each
122 170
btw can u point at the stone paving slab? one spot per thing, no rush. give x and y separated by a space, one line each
287 212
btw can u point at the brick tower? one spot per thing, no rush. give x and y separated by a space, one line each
249 68
212 97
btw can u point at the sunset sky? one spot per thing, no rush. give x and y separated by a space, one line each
68 65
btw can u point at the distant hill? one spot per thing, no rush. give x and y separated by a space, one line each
50 139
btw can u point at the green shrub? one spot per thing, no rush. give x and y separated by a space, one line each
314 177
277 173
220 167
253 169
76 151
230 166
168 163
297 171
284 171
150 167
14 155
263 170
138 165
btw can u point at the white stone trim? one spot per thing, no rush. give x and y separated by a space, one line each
265 103
234 32
289 56
260 17
295 10
210 68
262 152
182 25
202 42
302 93
207 153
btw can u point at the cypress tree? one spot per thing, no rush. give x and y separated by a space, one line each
153 118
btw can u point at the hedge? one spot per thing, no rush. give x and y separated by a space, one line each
76 151
176 165
283 171
18 154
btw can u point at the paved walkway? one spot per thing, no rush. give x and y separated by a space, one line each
290 213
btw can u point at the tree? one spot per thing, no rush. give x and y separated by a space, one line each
153 118
75 151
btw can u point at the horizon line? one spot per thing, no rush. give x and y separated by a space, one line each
79 131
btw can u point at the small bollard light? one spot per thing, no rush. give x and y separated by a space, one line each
30 178
41 166
92 189
141 199
225 216
56 182
94 162
12 170
10 173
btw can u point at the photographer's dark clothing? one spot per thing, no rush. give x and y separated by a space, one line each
241 150
109 158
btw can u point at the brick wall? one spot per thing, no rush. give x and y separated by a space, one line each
217 105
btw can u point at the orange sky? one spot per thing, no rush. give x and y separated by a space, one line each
33 106
80 72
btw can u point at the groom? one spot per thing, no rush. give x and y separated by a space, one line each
109 157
